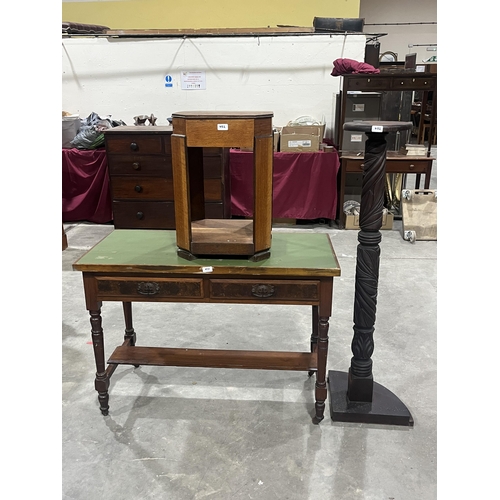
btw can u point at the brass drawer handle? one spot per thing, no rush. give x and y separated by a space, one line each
262 291
148 288
134 146
136 166
362 166
411 165
138 188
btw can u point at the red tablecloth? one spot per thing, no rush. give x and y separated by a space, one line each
86 194
304 184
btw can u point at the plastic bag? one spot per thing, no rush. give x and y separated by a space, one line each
91 132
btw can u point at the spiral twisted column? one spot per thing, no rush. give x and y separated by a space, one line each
360 376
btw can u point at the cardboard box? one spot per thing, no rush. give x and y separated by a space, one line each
301 138
352 221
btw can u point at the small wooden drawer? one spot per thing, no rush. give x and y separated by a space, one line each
294 291
213 189
408 166
216 211
212 167
414 83
143 214
146 289
393 166
222 132
138 144
142 188
367 83
159 166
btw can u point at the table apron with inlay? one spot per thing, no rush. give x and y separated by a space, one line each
209 288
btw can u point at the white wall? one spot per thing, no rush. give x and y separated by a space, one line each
288 75
399 36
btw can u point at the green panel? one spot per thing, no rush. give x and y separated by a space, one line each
144 248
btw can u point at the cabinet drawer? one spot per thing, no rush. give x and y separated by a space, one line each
209 133
294 291
139 144
414 83
408 166
392 166
213 189
140 288
160 166
367 83
217 211
142 188
143 214
212 167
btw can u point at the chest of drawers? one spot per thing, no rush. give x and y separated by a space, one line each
140 170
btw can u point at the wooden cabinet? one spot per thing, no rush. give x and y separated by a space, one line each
351 161
197 233
140 170
350 165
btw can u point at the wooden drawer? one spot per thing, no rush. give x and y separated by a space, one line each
217 211
414 83
159 166
294 291
138 144
140 288
143 214
408 166
207 133
367 83
212 167
392 166
213 189
142 188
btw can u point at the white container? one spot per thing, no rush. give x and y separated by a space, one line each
70 127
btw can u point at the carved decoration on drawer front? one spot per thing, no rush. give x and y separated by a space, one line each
148 288
263 291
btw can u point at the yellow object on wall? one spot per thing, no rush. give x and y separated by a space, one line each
167 14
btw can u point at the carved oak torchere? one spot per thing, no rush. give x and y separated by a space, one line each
355 397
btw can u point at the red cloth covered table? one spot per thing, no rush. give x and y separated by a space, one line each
304 184
86 194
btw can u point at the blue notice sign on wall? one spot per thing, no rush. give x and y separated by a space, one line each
168 81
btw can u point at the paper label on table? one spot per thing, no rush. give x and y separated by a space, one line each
377 128
356 137
207 269
300 144
222 126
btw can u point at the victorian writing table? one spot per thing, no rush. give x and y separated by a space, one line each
143 266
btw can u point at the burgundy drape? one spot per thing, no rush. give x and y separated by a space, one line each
304 184
86 194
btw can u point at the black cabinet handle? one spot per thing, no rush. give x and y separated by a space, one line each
134 146
138 188
140 215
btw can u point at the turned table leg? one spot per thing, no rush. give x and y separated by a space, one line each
321 390
101 379
314 334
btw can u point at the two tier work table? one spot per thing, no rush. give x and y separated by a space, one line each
144 266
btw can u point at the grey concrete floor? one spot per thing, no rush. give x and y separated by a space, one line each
195 433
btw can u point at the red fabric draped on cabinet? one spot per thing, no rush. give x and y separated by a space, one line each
86 194
304 184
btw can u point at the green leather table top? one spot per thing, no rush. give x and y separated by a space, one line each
155 251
